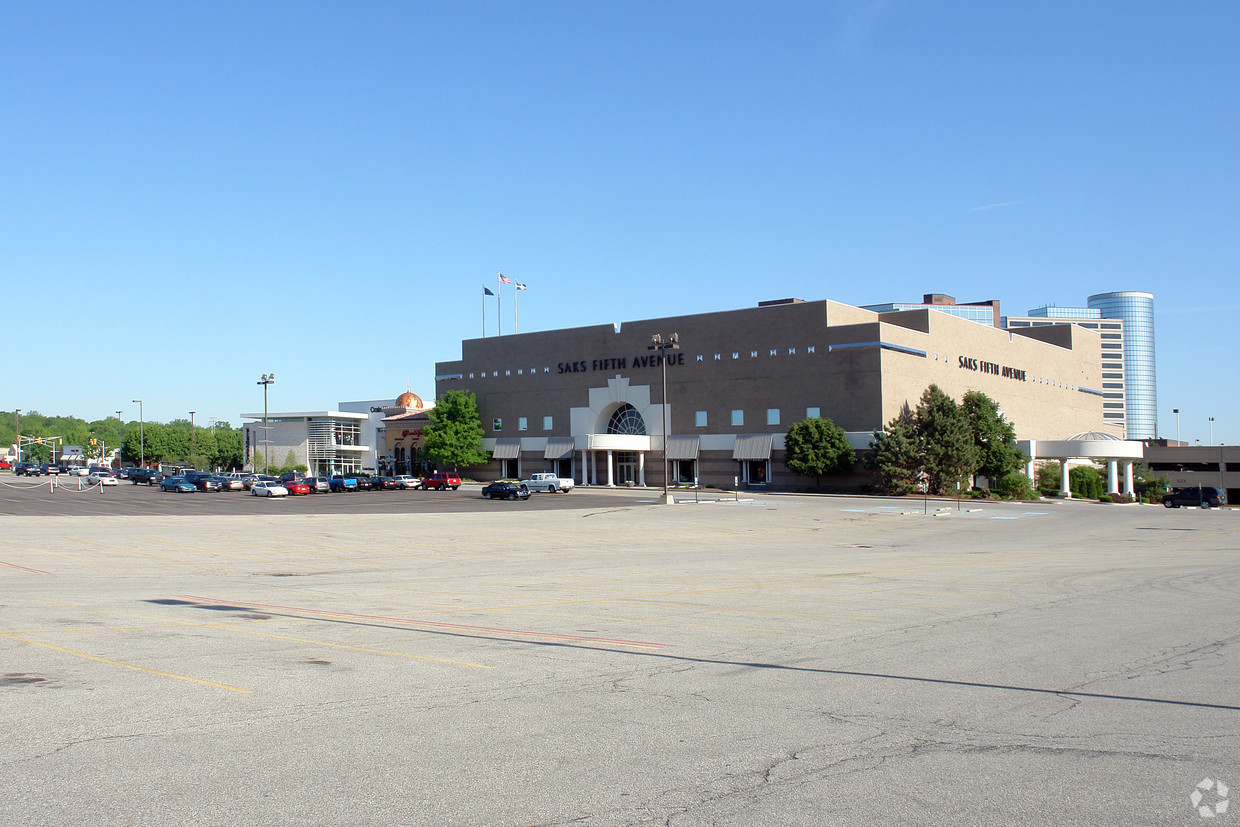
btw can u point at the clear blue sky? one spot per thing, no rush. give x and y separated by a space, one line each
212 191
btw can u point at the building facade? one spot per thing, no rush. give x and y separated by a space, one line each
326 442
1136 309
589 402
1111 334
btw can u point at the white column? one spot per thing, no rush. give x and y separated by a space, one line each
641 468
1063 478
611 482
1129 487
1031 472
1113 476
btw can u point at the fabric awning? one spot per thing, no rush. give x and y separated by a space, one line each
683 447
559 447
753 446
507 448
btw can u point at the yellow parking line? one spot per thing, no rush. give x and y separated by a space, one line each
126 665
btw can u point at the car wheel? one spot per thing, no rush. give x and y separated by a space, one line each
550 489
1205 504
1167 503
512 496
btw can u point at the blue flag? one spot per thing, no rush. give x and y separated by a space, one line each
486 291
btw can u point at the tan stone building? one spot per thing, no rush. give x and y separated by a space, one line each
588 402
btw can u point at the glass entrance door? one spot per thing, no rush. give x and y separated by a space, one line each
626 467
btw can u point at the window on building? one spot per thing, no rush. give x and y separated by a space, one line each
792 351
522 423
546 423
497 424
699 419
735 355
753 354
774 352
772 416
813 413
738 417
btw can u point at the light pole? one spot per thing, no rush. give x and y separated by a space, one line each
657 344
141 436
19 434
191 439
120 442
1211 430
267 379
1176 411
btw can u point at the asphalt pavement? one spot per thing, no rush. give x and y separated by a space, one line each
596 659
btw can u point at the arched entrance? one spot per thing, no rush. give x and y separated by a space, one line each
626 421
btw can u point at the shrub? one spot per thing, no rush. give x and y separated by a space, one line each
1105 498
1015 486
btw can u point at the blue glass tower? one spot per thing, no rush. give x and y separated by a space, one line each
1137 311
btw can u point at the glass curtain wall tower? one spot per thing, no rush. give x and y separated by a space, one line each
1141 392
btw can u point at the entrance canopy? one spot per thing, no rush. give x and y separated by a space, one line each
1087 445
753 446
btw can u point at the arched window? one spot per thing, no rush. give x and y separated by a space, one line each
626 420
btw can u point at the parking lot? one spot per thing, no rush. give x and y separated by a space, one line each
591 658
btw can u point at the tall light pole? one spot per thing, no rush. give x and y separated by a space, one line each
1211 430
19 434
267 379
658 344
1176 411
191 439
141 436
120 442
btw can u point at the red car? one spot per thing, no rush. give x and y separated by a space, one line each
297 487
441 481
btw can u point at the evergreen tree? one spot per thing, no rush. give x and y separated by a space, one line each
993 435
947 441
454 435
896 455
817 446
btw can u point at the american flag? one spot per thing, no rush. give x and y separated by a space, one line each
504 279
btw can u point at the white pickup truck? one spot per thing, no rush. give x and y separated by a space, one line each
548 482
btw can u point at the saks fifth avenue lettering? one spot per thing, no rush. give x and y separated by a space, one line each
994 369
621 363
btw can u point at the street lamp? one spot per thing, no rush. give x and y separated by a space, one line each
19 434
657 343
141 436
1176 411
1211 430
191 439
120 442
267 379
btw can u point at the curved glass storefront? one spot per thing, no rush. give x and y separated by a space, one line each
1137 311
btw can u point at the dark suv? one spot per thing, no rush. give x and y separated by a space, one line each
1205 496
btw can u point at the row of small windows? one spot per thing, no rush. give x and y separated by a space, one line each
523 423
737 416
753 354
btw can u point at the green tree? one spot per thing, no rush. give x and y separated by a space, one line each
817 446
229 447
993 435
950 455
896 456
454 435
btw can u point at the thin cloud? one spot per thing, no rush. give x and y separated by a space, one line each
995 206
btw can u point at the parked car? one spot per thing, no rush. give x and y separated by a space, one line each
382 483
340 482
504 490
79 471
102 478
150 476
5 465
27 469
207 483
296 487
180 485
319 485
268 489
406 481
50 468
549 482
442 481
1205 496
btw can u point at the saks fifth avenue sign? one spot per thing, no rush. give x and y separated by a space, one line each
994 369
621 363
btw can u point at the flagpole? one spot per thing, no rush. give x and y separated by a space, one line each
484 311
515 291
499 302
